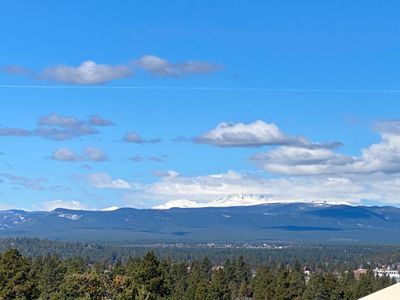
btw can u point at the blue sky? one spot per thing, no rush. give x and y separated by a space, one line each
288 100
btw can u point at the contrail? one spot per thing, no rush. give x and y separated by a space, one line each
201 88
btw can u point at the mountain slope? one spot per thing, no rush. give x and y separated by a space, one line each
300 222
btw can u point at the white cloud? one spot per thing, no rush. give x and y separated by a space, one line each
161 67
53 204
217 190
256 134
91 73
104 181
87 73
383 157
212 187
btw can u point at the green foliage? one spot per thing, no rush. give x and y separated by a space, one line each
16 280
149 278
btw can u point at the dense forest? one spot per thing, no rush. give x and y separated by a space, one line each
149 278
324 258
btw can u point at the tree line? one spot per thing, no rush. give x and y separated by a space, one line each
334 257
151 278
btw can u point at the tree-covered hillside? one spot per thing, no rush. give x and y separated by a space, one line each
148 278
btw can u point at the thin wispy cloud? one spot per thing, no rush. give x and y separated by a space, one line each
156 158
135 138
58 127
136 158
157 66
90 154
16 70
36 184
166 173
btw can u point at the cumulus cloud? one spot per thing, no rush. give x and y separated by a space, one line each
208 190
313 172
223 189
133 137
58 127
87 73
157 66
90 154
256 134
382 157
103 180
53 204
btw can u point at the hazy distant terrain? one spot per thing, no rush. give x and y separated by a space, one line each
291 222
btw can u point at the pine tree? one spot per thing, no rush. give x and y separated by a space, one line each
262 286
315 289
16 280
282 284
296 282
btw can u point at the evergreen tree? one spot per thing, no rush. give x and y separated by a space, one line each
282 284
296 282
16 280
315 289
262 286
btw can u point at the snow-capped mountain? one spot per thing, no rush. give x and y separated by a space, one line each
240 200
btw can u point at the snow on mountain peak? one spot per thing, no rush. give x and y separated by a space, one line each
111 208
240 200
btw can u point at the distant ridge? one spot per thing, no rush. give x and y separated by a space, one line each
296 221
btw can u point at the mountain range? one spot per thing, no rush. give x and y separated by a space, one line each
273 222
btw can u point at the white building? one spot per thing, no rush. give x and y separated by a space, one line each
387 272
